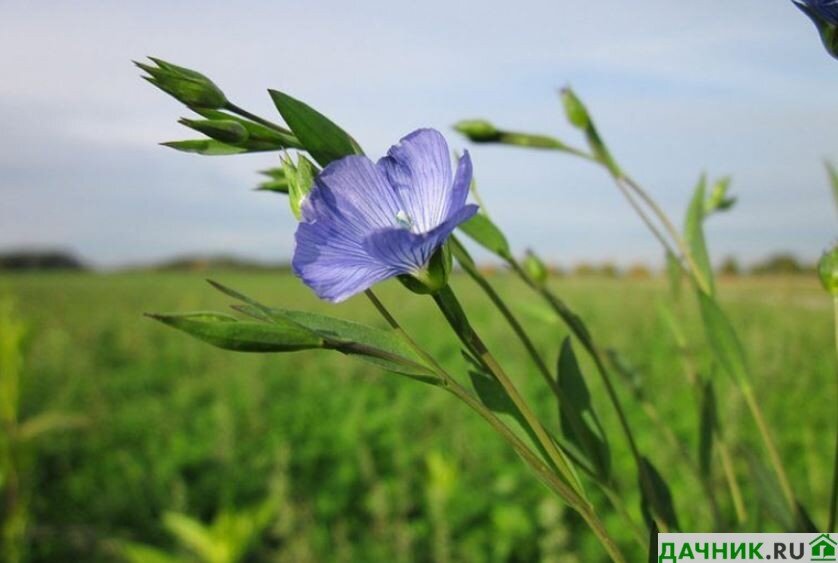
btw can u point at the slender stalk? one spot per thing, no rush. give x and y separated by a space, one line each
519 330
507 313
548 477
453 312
253 117
833 501
732 482
581 333
670 228
771 449
542 471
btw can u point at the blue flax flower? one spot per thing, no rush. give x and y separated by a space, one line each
364 222
826 10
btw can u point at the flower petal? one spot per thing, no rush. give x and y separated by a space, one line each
461 185
353 192
334 263
407 251
419 169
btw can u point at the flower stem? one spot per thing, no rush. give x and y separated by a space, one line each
771 449
580 331
542 471
833 501
507 313
453 312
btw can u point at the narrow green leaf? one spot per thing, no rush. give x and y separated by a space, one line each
320 136
580 424
484 232
708 427
380 347
193 534
227 332
674 274
657 504
206 147
493 395
694 233
723 340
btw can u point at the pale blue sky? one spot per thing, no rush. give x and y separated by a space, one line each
731 87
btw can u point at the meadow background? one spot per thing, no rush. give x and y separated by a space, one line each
325 458
125 441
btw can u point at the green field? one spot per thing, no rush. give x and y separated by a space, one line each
362 465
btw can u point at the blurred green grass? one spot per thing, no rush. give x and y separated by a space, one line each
372 466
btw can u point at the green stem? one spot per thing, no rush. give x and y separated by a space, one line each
771 449
575 325
541 470
522 335
507 313
286 134
833 501
453 312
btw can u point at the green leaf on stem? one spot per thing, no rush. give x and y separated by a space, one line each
694 234
206 147
229 333
674 274
381 347
320 136
708 427
484 232
656 503
579 422
723 339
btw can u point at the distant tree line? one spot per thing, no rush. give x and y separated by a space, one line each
40 260
777 264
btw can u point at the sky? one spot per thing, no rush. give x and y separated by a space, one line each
738 88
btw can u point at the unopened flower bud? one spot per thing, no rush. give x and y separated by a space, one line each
535 268
226 130
187 86
479 130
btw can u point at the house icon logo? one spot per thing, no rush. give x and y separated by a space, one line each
823 548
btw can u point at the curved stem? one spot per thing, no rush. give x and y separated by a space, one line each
453 312
833 501
579 330
541 470
507 313
702 283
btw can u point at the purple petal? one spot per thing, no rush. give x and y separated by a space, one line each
419 169
335 264
407 251
354 192
461 185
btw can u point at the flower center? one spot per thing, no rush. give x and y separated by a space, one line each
404 220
